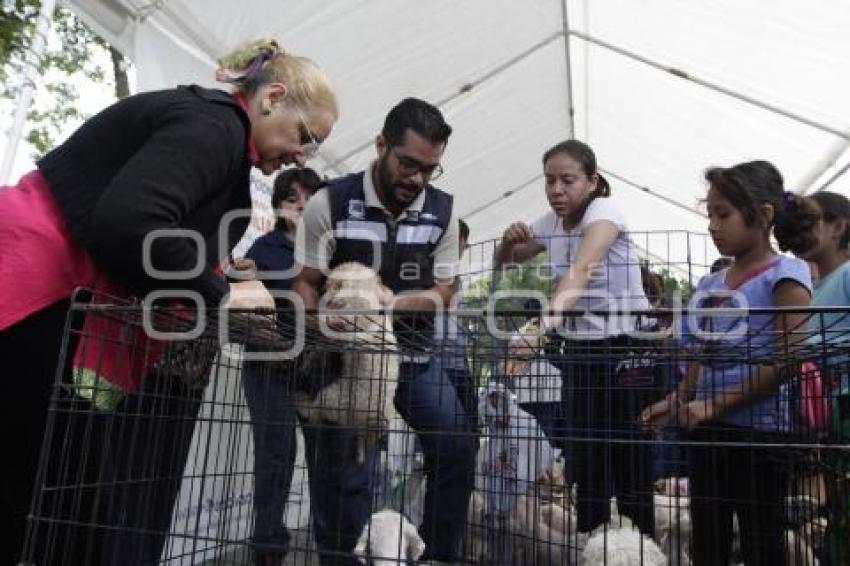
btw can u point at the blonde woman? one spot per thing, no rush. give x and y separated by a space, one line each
177 158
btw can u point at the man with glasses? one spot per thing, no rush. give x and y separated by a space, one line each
390 218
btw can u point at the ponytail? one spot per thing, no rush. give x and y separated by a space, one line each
794 221
602 190
243 66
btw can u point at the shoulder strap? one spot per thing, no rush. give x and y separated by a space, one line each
341 191
439 203
748 276
755 272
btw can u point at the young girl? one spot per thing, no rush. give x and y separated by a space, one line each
590 251
733 394
824 220
268 385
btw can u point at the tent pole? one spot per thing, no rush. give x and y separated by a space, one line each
712 86
834 178
586 81
506 194
650 192
821 168
25 96
571 126
465 88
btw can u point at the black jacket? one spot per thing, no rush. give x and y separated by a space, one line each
168 159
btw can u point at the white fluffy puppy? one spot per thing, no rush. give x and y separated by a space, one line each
619 543
389 538
673 527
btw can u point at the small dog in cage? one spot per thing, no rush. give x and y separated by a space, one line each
389 538
620 543
673 526
362 394
546 531
519 483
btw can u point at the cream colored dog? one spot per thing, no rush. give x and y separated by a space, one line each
361 396
389 538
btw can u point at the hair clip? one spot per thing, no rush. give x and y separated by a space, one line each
790 199
251 71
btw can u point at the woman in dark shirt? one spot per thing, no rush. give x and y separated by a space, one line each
268 386
172 159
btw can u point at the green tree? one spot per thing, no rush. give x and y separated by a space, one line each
72 48
676 285
510 315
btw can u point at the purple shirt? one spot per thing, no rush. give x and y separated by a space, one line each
734 346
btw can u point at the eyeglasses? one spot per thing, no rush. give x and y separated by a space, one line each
309 145
411 166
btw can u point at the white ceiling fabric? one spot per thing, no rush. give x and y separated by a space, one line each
649 127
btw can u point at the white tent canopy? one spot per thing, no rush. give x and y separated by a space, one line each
660 89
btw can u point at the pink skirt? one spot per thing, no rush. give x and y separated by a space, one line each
41 264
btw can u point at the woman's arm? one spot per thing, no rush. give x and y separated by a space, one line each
662 412
306 284
687 388
518 245
597 239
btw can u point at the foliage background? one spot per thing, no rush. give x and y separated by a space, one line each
72 50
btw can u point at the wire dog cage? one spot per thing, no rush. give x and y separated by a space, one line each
287 438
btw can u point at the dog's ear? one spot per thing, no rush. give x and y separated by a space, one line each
331 284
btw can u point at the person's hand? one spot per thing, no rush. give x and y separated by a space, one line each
260 325
551 322
243 269
517 233
339 320
386 298
260 330
695 413
249 295
660 413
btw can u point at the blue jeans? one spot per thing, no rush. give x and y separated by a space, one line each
467 393
273 424
341 489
